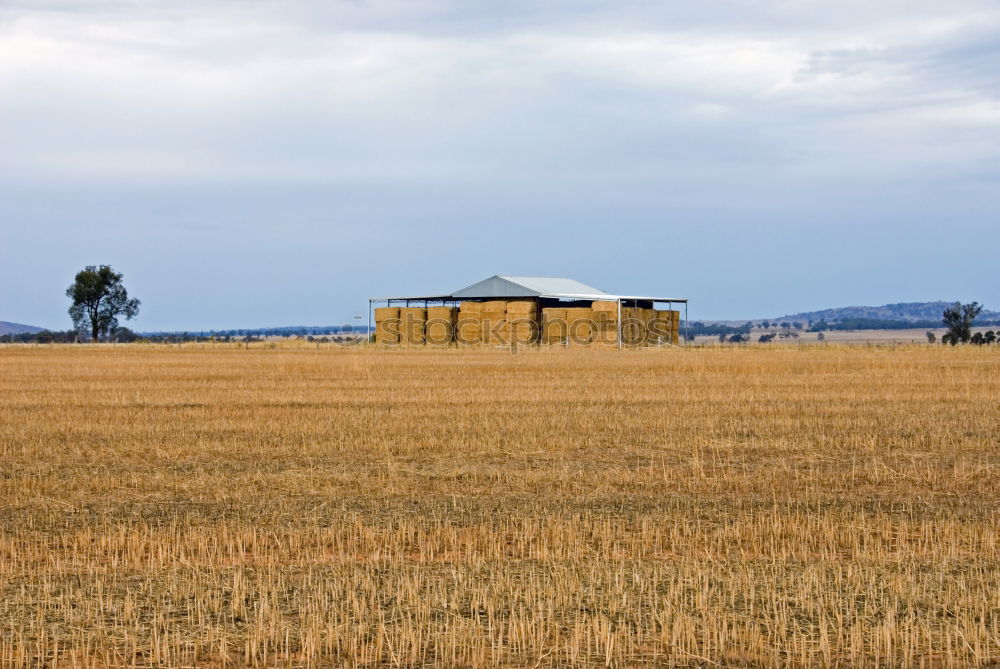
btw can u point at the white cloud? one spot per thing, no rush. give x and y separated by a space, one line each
324 90
200 136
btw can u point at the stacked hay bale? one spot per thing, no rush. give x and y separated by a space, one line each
605 322
580 325
553 326
494 313
649 325
668 327
440 330
521 325
633 326
500 322
470 323
662 328
387 326
413 321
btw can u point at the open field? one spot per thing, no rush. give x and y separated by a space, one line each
209 506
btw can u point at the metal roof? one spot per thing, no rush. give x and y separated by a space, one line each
530 286
526 286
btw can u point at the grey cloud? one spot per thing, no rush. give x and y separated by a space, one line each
306 138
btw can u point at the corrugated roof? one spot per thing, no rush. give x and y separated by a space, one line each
526 286
501 286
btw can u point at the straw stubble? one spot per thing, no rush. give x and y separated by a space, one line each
278 505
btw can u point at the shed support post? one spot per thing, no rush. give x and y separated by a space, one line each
685 323
619 323
368 335
670 308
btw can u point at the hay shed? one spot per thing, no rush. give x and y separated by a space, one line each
544 292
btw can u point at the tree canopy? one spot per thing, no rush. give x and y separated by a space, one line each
99 300
958 319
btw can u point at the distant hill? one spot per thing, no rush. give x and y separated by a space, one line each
17 328
903 311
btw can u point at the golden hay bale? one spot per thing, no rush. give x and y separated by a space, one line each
446 313
630 312
554 334
605 325
521 307
387 331
494 306
440 328
439 332
521 328
494 326
414 339
606 333
468 332
412 314
524 333
495 330
649 320
388 327
659 328
605 306
634 327
413 334
580 325
412 322
471 308
553 325
666 315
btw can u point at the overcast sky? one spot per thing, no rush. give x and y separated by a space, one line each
276 163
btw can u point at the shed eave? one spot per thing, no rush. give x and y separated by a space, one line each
429 298
610 298
557 296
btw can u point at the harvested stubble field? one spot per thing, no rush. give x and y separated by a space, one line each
828 506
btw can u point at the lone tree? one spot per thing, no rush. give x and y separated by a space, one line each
99 299
958 319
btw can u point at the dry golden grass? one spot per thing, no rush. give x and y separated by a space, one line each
210 506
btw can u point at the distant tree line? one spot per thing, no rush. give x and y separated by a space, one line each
287 331
768 337
124 336
715 329
957 318
871 324
43 337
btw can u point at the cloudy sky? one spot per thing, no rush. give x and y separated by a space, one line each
249 163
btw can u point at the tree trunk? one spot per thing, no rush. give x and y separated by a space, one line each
94 331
